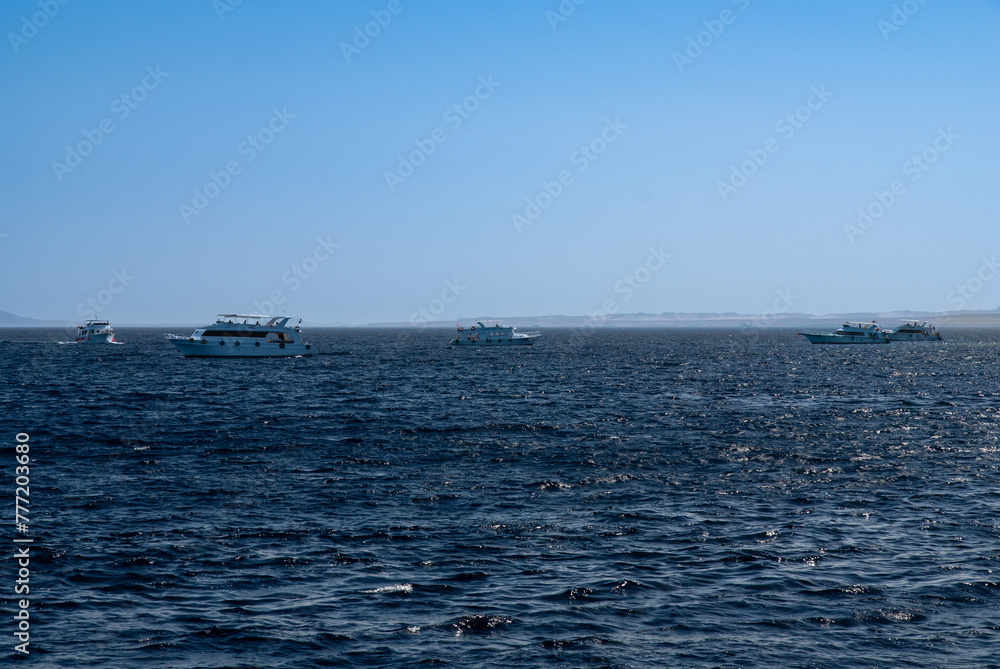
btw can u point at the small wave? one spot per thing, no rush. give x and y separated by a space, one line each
549 485
481 623
751 556
888 616
823 621
627 584
469 576
405 588
573 594
582 642
854 589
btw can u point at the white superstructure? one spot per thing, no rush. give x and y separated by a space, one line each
913 331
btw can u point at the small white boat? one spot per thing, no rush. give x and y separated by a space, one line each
95 332
494 335
851 332
914 332
243 336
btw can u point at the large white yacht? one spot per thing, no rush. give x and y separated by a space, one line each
494 335
95 332
243 336
914 332
851 332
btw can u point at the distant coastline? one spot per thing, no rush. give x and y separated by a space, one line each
983 318
723 320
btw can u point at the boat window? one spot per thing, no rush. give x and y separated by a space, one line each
234 333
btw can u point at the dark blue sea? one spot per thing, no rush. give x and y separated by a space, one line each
615 498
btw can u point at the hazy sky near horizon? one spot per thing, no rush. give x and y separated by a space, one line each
357 162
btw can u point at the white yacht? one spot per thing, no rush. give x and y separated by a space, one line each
851 332
914 332
95 332
243 336
494 335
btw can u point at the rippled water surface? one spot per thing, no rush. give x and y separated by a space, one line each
617 498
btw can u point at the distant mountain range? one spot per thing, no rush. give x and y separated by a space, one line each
9 320
641 320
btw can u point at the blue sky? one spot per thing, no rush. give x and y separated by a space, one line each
596 156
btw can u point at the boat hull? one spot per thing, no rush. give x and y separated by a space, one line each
194 348
106 338
914 337
830 338
516 341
